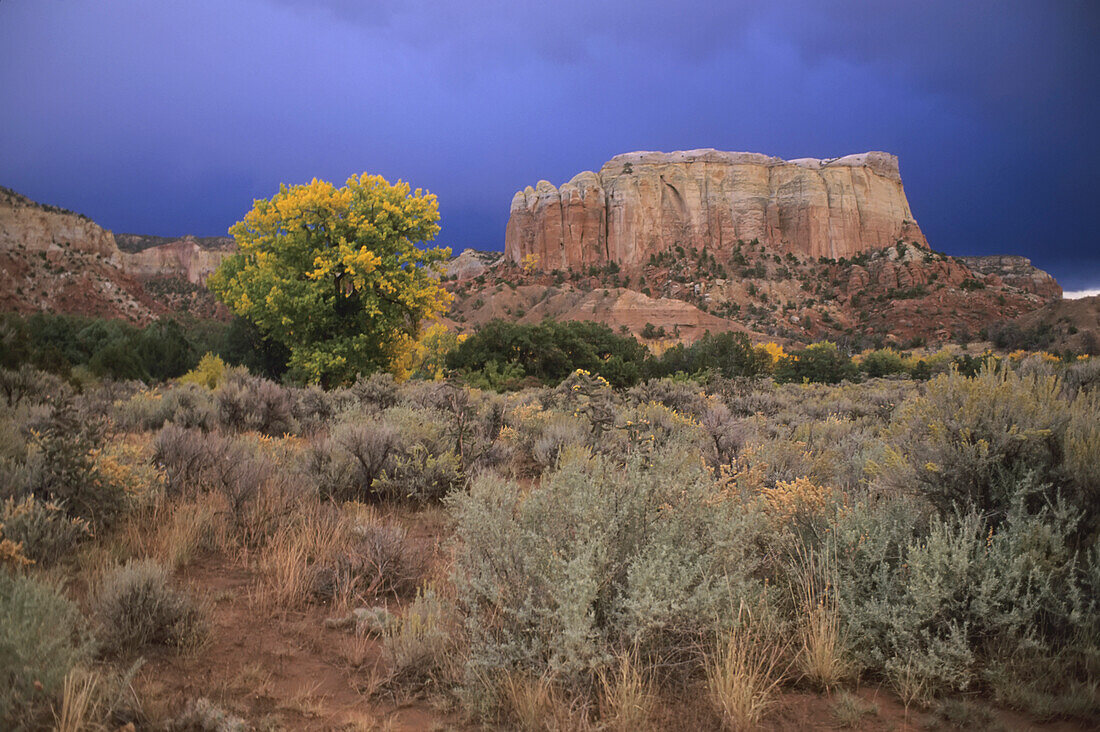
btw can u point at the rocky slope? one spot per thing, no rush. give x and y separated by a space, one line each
644 203
902 295
1061 325
133 243
898 292
60 261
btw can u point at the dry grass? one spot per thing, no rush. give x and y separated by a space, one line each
286 562
192 527
822 657
849 710
306 702
745 673
911 685
538 704
627 698
420 648
79 701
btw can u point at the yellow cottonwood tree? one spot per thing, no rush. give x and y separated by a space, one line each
336 274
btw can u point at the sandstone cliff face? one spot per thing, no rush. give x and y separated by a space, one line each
29 226
646 202
181 258
58 261
471 263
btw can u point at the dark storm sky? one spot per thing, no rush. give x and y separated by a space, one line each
168 117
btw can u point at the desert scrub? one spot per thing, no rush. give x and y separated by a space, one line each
425 466
42 638
248 403
26 384
379 561
683 397
420 646
43 528
67 468
599 558
377 391
535 436
929 606
346 464
254 474
135 607
958 442
186 405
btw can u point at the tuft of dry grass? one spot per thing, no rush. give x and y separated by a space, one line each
744 674
823 656
420 647
286 563
529 701
193 527
849 710
910 684
79 701
627 698
538 704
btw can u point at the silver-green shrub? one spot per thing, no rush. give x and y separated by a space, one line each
135 607
965 439
249 403
937 606
600 557
46 532
42 637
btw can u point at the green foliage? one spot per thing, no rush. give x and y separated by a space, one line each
113 349
550 351
967 441
68 473
728 354
42 638
883 362
819 362
336 274
496 377
244 344
931 608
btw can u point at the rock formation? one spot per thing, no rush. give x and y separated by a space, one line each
643 203
56 260
33 227
183 258
1016 271
470 263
